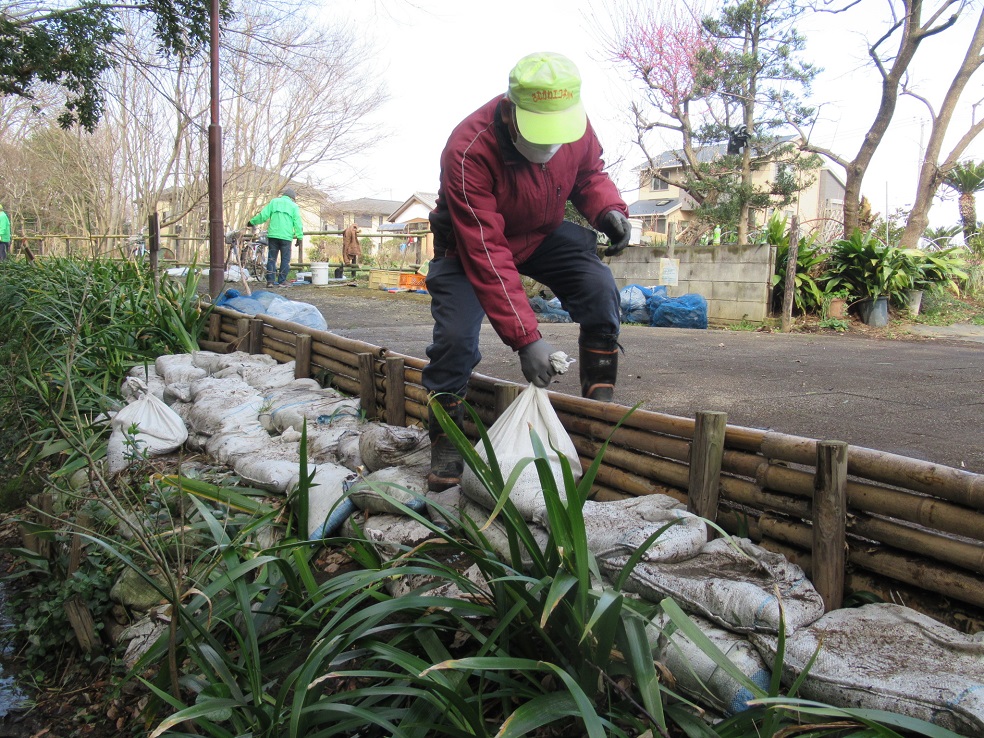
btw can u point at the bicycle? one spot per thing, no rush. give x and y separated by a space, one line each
249 253
136 248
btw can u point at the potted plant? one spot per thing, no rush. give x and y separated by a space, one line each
873 270
941 269
835 303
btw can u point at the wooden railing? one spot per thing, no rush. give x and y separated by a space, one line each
854 518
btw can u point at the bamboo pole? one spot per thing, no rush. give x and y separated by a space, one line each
302 357
829 522
505 395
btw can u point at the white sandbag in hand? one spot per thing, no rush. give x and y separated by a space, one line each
158 429
510 438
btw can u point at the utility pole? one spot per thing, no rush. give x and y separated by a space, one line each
216 269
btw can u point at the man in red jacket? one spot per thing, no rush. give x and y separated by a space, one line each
507 172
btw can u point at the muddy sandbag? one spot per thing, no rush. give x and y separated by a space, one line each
322 443
289 405
495 532
382 445
227 447
261 375
390 535
510 439
889 657
347 451
398 484
731 582
619 528
220 405
275 475
178 368
699 677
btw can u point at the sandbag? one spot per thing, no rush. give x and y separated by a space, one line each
382 445
178 368
619 528
347 450
731 582
290 405
889 657
260 375
699 677
144 427
510 439
495 532
322 442
324 495
404 485
147 373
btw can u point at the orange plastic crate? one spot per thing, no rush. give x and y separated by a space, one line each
413 281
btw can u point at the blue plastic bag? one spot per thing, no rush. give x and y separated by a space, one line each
277 306
686 311
632 301
549 311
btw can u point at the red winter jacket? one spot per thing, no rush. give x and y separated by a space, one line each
494 208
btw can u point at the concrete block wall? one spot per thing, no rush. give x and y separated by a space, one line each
735 281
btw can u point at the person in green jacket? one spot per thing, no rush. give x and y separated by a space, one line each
285 225
4 234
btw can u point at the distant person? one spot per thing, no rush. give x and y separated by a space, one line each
4 234
285 225
507 173
351 248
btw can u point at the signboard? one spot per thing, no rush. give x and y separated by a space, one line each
669 271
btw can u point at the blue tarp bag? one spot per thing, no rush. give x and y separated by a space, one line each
549 311
657 297
686 311
277 306
632 303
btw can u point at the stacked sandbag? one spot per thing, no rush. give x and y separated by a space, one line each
731 582
888 657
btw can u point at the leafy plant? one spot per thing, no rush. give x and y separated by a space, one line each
943 269
810 259
868 268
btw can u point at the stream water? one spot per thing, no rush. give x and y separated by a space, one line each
11 696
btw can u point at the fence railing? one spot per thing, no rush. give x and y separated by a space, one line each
855 519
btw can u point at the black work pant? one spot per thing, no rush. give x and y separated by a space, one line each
278 247
566 262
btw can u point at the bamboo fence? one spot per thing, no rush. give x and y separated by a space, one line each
856 519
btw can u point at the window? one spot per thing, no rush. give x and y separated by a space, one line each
661 225
658 185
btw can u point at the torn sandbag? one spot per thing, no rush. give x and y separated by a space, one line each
510 439
382 445
888 657
731 582
620 527
146 373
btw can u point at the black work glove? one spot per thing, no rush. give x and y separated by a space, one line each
616 227
534 360
300 242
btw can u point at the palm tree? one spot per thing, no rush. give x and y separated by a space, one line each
967 179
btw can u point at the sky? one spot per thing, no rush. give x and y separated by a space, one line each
442 59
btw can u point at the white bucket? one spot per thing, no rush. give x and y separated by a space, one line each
635 237
319 272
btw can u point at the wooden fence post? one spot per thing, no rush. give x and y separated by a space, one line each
367 385
154 243
706 452
504 396
242 334
302 356
789 297
829 523
396 411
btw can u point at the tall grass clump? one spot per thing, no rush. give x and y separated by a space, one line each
69 331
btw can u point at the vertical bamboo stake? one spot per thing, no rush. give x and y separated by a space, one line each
214 327
255 336
396 411
706 452
47 504
792 258
154 244
242 334
504 396
670 239
829 522
367 386
302 356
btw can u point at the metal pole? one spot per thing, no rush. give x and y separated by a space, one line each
216 268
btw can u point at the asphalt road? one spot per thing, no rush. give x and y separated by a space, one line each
922 398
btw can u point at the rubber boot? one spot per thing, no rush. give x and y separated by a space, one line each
599 370
446 463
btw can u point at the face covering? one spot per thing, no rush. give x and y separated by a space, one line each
536 153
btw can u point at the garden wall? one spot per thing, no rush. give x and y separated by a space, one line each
735 280
855 519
